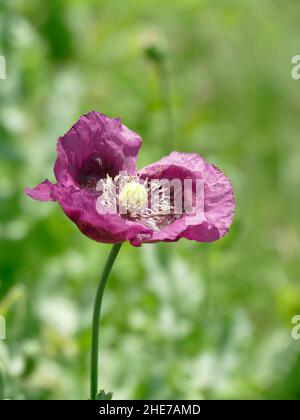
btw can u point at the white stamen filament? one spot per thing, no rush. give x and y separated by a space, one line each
131 196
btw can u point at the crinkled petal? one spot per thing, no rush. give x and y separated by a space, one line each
94 147
215 220
80 206
42 192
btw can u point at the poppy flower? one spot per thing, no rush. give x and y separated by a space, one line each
96 172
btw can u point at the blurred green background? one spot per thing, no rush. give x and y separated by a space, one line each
184 320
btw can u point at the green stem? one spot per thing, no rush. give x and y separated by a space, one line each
96 319
166 97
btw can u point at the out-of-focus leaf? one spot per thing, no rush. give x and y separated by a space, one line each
104 396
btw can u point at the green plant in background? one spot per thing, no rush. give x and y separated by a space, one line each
235 102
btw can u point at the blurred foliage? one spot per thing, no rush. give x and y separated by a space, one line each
184 320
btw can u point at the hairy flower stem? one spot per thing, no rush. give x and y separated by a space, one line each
96 319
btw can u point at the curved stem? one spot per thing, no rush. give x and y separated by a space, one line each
96 319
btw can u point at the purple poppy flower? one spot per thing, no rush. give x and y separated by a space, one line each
96 171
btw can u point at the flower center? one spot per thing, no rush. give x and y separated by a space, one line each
133 197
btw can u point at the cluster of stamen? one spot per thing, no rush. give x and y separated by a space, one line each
138 199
